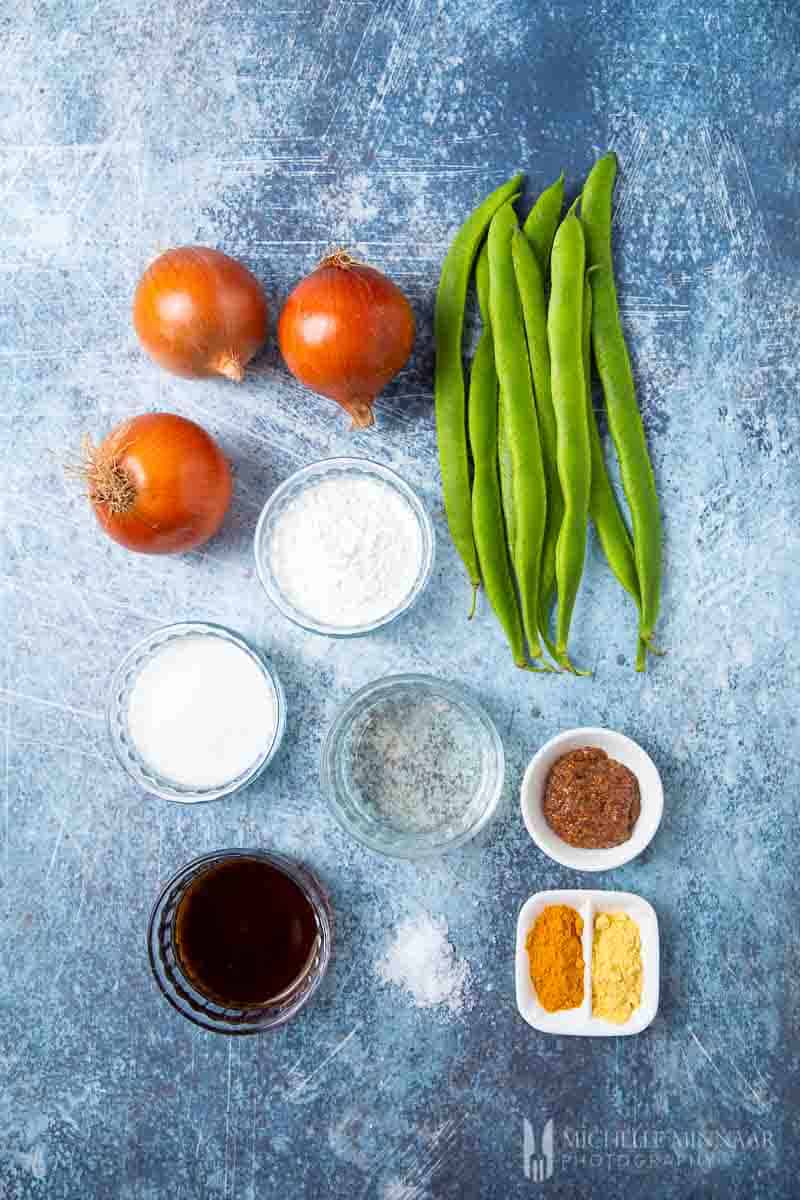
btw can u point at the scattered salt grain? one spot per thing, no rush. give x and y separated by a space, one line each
423 962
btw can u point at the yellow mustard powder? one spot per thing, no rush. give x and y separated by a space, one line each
616 967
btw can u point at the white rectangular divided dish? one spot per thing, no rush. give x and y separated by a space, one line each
579 1021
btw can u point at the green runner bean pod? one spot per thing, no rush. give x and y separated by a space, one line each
530 280
506 486
604 510
451 416
487 513
573 451
541 222
519 413
614 368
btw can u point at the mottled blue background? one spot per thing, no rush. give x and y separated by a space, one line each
272 131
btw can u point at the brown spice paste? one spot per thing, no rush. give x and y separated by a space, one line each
591 800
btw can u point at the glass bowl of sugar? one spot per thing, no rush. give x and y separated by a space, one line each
194 712
344 547
412 766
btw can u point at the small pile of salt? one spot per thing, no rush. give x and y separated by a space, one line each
422 960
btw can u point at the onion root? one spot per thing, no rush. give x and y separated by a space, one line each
106 481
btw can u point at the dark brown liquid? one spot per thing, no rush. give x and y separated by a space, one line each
244 932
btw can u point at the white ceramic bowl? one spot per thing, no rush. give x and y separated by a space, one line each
579 1021
624 750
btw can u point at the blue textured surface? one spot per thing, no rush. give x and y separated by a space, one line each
271 132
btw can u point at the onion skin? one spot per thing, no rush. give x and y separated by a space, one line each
199 313
345 331
158 484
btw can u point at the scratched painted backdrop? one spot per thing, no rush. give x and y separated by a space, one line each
274 130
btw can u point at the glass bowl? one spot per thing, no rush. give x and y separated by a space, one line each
412 766
287 493
179 989
117 714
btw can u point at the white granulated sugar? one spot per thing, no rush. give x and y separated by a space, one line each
346 551
423 962
201 711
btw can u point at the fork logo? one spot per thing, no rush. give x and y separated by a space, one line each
537 1167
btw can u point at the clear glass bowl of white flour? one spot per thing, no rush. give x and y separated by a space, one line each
343 547
195 712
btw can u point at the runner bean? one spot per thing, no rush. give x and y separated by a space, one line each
604 510
451 422
530 280
624 418
542 221
573 451
513 370
487 514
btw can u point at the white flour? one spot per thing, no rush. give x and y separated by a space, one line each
347 550
201 712
422 960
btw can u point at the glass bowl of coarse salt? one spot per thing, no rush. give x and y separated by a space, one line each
194 712
343 547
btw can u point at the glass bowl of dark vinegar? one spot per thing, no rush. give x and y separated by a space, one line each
239 940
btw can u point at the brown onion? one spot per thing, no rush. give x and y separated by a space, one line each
158 484
345 331
199 313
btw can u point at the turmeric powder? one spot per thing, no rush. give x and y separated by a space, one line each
556 957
